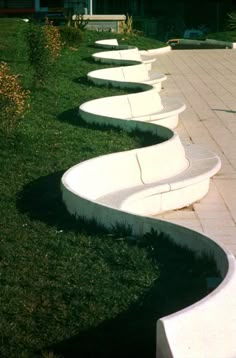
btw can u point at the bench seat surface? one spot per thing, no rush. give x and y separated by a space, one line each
202 165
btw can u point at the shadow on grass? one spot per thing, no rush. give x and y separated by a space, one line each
41 200
91 60
114 91
130 334
72 117
83 80
133 333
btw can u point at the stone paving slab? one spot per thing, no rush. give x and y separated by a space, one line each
206 81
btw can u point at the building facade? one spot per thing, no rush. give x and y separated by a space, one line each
176 14
150 16
42 6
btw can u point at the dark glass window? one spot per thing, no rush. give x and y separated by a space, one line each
43 3
51 3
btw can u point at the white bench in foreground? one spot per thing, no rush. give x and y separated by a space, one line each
205 329
126 77
143 181
208 327
145 106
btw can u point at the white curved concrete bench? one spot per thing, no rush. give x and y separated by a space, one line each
156 51
206 328
113 44
176 190
144 181
123 188
129 56
146 106
107 43
126 76
110 56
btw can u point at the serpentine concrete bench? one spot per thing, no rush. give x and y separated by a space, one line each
112 44
107 43
121 111
207 328
129 56
126 187
144 181
169 189
126 76
204 329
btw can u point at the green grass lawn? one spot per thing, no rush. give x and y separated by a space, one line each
66 286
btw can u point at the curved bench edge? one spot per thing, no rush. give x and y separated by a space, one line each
212 321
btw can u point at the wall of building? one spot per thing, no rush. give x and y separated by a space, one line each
154 17
177 14
16 4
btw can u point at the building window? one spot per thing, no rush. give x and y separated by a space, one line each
51 3
43 3
11 4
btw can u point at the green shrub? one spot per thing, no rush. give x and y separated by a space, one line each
232 21
79 22
71 36
44 45
12 99
38 53
52 40
128 25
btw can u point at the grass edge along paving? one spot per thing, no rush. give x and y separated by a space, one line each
65 282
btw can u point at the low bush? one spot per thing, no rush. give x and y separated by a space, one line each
44 45
71 36
232 21
52 40
128 25
79 22
13 99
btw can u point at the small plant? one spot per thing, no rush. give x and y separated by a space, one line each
13 99
44 45
128 25
52 40
232 21
38 53
71 36
76 21
48 354
80 22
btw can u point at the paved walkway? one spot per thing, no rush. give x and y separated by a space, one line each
206 81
